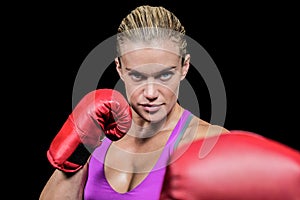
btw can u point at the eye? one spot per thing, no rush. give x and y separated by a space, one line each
166 76
135 76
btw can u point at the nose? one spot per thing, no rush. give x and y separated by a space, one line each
150 91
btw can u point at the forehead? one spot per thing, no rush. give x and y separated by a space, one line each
160 44
162 53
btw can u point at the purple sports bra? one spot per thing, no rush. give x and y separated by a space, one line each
97 187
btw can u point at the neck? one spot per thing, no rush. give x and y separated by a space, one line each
142 129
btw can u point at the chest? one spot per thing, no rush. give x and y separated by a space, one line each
128 164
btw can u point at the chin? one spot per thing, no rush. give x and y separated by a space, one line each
155 117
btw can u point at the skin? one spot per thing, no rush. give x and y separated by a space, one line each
152 79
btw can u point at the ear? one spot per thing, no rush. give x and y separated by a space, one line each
185 66
118 67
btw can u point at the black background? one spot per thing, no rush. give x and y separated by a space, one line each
253 45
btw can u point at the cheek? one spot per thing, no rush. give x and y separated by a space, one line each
169 94
170 90
171 97
132 92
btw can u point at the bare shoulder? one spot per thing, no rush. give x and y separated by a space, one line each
199 129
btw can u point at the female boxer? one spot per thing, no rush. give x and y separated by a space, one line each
152 61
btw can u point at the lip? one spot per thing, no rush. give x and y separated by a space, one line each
151 107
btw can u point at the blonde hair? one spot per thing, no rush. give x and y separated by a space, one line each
149 23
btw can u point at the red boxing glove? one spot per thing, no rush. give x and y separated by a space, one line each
103 112
239 165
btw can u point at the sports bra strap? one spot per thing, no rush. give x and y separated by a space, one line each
180 135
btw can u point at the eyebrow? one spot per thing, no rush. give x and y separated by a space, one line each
159 72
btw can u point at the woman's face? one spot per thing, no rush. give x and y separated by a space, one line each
152 77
